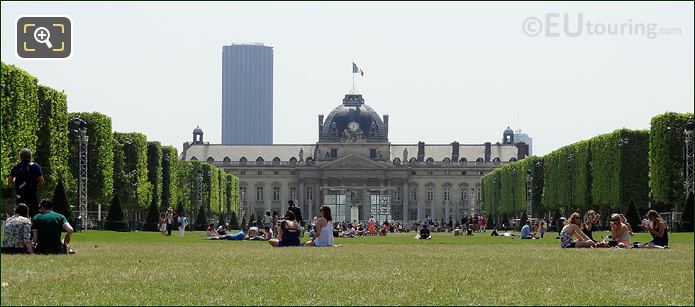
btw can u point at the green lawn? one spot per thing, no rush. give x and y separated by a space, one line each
149 269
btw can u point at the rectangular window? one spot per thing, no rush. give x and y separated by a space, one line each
259 172
477 194
372 153
259 193
446 193
243 172
413 194
293 193
242 193
413 214
397 194
334 153
276 193
430 194
276 173
309 193
464 194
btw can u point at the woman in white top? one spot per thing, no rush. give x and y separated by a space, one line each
323 236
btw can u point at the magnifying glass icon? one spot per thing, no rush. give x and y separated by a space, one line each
42 36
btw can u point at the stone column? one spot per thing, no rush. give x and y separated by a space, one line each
300 194
420 212
267 196
433 205
404 199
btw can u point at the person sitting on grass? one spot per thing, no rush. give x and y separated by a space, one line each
494 233
47 227
16 238
210 231
424 234
360 230
526 232
350 232
457 231
620 233
222 229
232 236
268 233
323 236
572 228
623 219
656 228
288 232
384 229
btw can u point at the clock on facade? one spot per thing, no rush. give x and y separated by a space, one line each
353 126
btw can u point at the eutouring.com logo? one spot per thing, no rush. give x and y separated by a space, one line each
575 25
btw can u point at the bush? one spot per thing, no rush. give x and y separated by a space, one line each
115 220
154 171
61 203
633 217
169 189
136 189
233 221
201 220
152 221
52 143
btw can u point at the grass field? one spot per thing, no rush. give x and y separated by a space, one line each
149 269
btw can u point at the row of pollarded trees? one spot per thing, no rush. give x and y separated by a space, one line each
144 176
613 172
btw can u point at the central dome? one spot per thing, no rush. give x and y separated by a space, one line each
338 124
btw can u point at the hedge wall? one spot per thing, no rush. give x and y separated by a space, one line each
138 191
19 104
666 143
567 178
100 156
52 143
154 172
169 160
620 170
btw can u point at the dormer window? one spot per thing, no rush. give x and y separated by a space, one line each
334 129
372 129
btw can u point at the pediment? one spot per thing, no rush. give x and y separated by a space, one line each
352 161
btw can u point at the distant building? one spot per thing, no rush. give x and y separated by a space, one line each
247 94
355 170
520 137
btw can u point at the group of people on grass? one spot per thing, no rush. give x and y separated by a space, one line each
620 232
34 227
166 222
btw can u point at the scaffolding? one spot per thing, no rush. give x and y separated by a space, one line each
82 180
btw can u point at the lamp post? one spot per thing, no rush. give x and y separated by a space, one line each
80 127
529 193
621 143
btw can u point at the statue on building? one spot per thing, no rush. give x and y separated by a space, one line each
405 155
301 154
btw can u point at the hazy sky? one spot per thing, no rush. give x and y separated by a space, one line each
443 71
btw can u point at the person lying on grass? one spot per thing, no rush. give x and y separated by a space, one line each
288 232
242 235
570 229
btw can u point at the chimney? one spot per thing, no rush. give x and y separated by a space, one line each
454 151
421 151
488 151
386 123
320 123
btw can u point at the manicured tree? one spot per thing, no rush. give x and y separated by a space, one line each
221 220
179 208
115 220
233 221
666 141
61 204
251 219
152 221
100 155
523 219
52 144
138 191
201 220
687 219
19 104
243 222
632 216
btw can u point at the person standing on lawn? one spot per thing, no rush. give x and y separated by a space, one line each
26 177
183 222
169 217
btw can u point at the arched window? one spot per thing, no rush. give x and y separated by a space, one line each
512 159
259 161
293 160
309 159
334 129
226 160
396 161
446 159
276 161
412 160
430 159
479 159
463 160
243 161
210 160
194 158
496 160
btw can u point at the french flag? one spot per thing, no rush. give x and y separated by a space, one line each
357 70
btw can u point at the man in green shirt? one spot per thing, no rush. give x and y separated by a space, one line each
47 227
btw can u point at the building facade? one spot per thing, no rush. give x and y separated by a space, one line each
354 169
247 94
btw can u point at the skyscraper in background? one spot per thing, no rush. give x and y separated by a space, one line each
247 94
525 138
